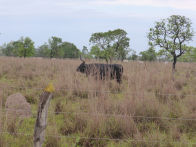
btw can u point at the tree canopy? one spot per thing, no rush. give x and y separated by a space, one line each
149 55
43 50
68 50
54 46
24 47
113 44
171 34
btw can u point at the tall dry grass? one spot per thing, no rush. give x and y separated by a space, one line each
105 108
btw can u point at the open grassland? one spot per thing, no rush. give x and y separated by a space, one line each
150 108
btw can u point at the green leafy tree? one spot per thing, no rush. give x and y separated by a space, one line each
114 44
164 55
54 46
68 50
149 55
9 49
171 34
193 53
43 51
85 52
133 55
96 52
121 44
189 56
24 47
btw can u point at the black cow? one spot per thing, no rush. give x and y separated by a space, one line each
113 71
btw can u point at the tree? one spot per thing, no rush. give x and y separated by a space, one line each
163 55
96 52
9 49
190 55
68 50
133 55
54 46
149 55
114 44
24 47
193 53
43 51
121 44
171 34
57 48
85 52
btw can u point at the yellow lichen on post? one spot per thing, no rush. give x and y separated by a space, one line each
50 88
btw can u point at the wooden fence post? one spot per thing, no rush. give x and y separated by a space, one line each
41 122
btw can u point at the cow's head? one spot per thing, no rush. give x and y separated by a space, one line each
82 66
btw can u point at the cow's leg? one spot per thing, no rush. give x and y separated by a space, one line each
118 77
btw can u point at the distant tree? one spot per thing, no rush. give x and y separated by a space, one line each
24 47
149 55
96 53
164 55
9 49
43 51
189 56
68 50
121 44
193 53
133 55
54 46
171 34
85 52
58 49
113 44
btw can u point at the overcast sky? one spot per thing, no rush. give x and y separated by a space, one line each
76 20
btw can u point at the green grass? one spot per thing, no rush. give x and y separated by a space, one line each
137 96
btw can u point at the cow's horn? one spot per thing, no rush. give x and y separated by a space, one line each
81 59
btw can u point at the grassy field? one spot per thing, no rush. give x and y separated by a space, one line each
150 108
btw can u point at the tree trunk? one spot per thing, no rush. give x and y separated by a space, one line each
174 63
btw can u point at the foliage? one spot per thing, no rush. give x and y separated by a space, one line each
43 51
96 52
149 55
68 50
133 55
85 52
171 34
113 44
58 49
163 55
9 49
24 47
54 46
190 55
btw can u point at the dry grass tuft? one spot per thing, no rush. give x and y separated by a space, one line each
96 107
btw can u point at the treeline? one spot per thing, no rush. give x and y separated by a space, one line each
170 36
162 55
54 48
111 45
